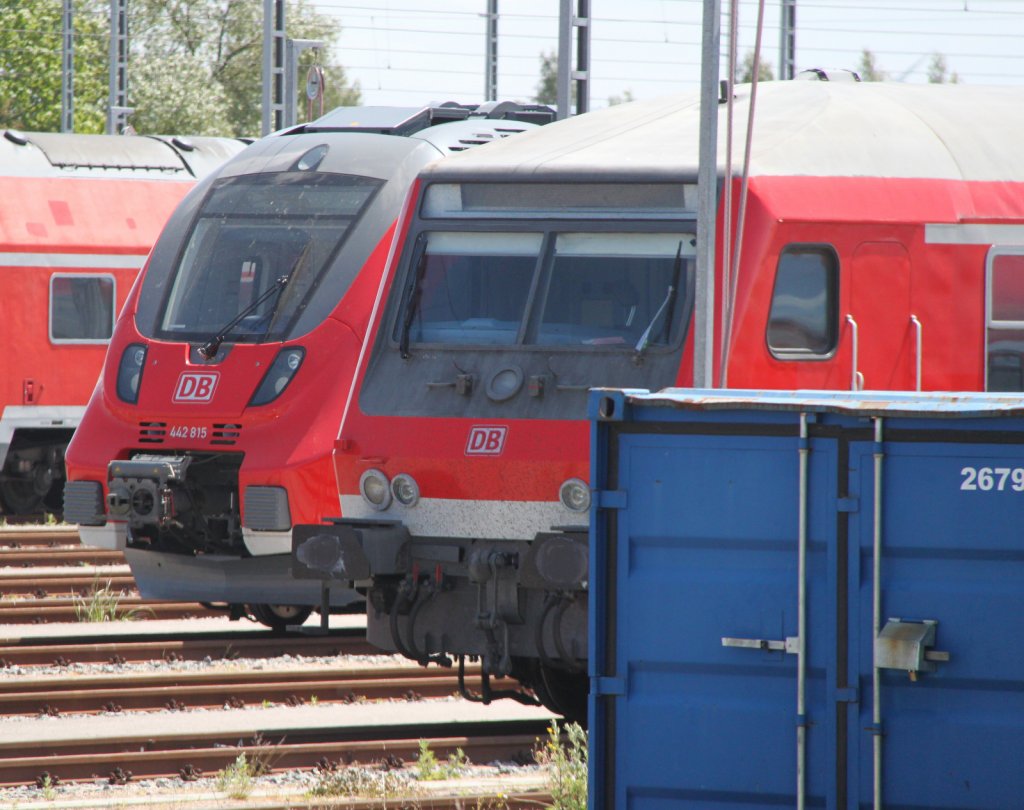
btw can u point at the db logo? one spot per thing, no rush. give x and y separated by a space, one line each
195 386
486 440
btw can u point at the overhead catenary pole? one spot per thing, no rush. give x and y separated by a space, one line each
117 105
273 66
67 74
707 197
787 39
567 74
294 47
491 54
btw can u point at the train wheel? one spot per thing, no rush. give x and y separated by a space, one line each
563 692
278 617
18 496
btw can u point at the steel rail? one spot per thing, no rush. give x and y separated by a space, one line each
119 692
189 755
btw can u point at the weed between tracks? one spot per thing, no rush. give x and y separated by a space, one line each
567 766
102 604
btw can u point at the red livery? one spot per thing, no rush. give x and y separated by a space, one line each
876 241
78 215
211 429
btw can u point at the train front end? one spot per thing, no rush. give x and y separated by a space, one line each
210 433
463 457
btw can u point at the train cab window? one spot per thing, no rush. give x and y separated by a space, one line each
251 233
81 308
1004 340
624 289
471 288
803 319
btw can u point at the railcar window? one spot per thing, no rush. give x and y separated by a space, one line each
1004 341
81 308
803 318
615 290
625 290
471 288
251 231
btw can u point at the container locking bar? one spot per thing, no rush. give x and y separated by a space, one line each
791 644
906 645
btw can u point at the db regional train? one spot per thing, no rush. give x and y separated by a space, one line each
882 247
211 429
78 214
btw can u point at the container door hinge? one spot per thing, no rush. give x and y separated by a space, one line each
605 685
611 499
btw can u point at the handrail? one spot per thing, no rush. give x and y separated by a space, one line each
919 351
856 378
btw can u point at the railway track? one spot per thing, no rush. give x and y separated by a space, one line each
190 754
46 575
56 695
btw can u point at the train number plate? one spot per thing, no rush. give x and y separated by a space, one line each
185 432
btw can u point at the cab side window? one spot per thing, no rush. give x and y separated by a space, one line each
803 319
1004 333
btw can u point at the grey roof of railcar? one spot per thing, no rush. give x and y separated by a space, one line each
815 128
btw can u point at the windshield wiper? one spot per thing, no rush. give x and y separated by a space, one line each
668 302
412 303
209 349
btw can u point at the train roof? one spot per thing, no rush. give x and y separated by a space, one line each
811 128
61 154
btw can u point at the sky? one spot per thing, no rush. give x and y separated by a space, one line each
408 52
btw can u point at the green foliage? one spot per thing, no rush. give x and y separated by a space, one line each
868 69
219 46
31 38
238 779
625 98
102 604
194 67
745 70
363 782
429 769
567 766
938 71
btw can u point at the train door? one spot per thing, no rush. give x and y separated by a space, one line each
1004 319
881 333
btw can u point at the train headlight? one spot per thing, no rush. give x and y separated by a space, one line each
375 489
575 495
129 372
405 489
279 375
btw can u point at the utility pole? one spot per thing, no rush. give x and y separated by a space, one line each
67 73
491 53
567 21
787 40
273 66
707 197
117 106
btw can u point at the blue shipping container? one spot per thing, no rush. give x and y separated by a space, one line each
806 599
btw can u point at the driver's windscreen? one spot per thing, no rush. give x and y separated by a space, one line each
250 232
604 290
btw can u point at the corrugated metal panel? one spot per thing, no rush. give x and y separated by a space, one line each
696 600
83 503
266 509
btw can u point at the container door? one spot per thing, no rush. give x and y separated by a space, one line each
703 590
952 552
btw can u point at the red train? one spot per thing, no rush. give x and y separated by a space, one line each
211 429
78 214
883 248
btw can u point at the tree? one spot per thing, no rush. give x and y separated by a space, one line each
194 66
937 71
868 70
625 98
547 87
745 71
218 45
30 65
